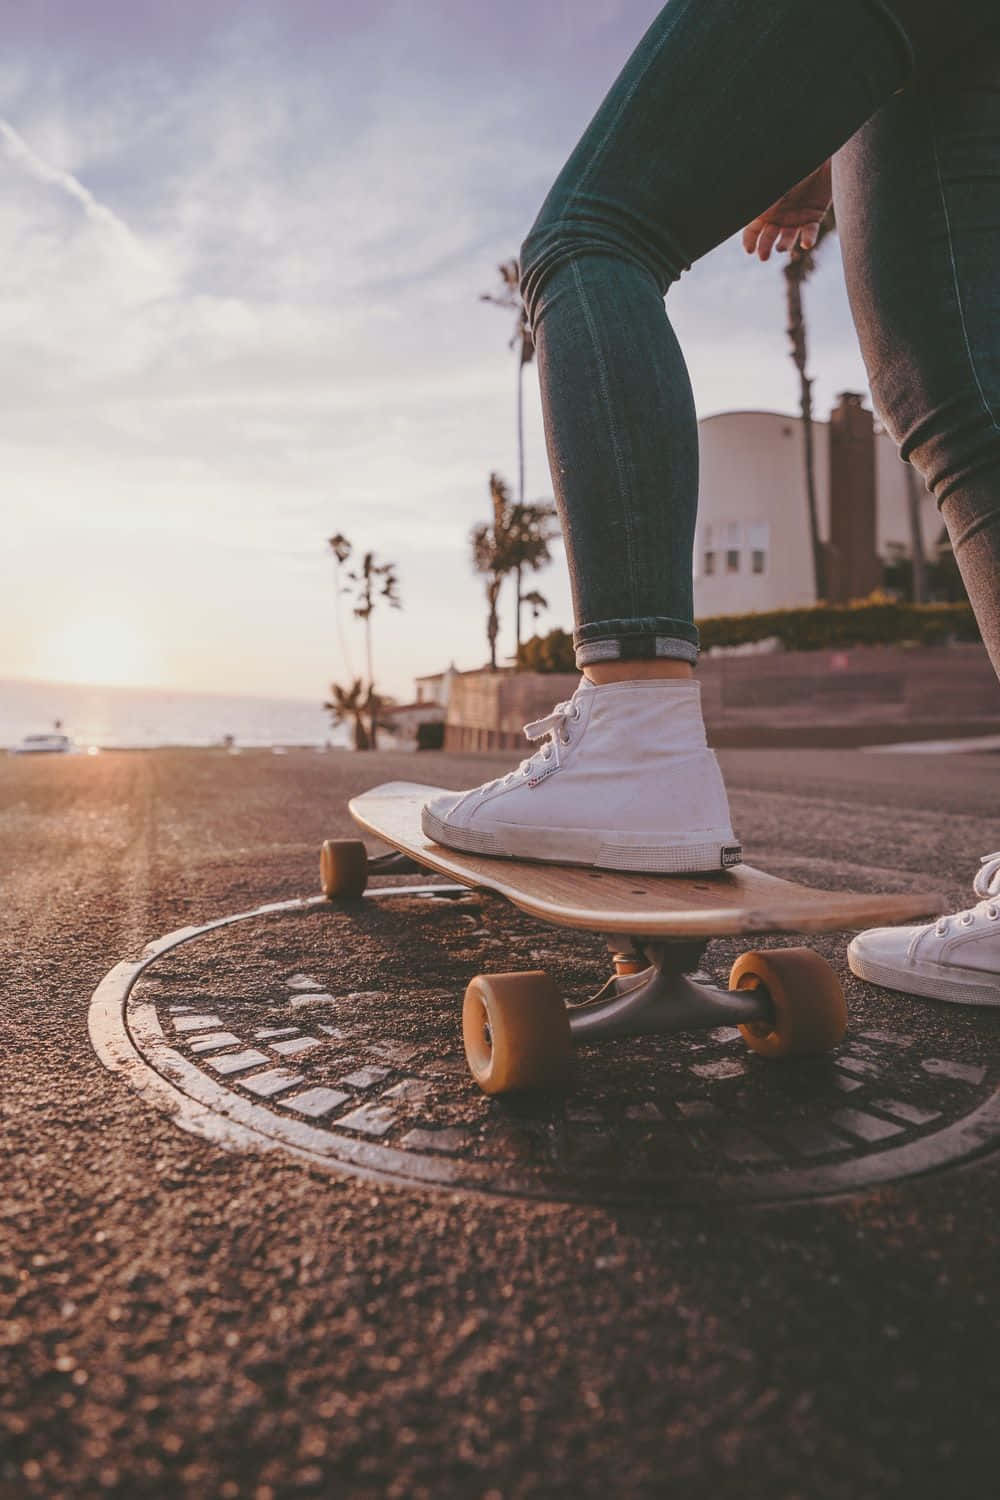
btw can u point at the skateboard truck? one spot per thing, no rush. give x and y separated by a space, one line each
662 997
393 863
519 1030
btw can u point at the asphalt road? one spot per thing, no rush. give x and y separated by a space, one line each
183 1321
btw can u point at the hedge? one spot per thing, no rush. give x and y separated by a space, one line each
547 653
868 622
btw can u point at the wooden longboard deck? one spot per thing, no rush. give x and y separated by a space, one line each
741 900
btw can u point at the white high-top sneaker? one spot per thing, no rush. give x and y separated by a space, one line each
956 958
624 781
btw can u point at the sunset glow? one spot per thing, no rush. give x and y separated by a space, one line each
100 649
231 330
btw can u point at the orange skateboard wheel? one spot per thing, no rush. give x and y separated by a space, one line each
810 1015
343 868
516 1032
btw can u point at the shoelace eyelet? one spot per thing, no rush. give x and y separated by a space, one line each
966 919
941 929
992 913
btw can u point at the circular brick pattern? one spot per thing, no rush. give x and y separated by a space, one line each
335 1033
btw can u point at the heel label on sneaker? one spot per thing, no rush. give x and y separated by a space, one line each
731 854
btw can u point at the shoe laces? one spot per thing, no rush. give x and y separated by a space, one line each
985 884
554 726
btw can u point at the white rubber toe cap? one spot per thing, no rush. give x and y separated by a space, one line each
880 956
441 807
886 945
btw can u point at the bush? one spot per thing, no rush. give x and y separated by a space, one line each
548 653
864 622
431 736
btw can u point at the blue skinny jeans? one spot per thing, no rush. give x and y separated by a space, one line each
723 106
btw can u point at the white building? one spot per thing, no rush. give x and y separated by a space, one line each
752 548
435 687
404 719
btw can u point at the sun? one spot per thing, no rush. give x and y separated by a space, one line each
105 649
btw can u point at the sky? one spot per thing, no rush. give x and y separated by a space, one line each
244 244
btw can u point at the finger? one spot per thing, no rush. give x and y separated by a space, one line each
809 236
787 238
750 234
765 244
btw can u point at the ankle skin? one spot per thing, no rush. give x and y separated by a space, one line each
602 672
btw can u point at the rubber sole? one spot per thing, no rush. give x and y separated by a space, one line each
636 853
932 981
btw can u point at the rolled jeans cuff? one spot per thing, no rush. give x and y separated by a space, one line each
636 640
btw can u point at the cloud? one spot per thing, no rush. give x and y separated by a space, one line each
21 154
243 249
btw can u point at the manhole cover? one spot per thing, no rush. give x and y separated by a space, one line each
335 1033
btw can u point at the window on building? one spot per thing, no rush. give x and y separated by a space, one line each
707 548
734 546
758 543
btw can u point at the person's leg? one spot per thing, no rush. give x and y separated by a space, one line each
917 197
917 201
722 107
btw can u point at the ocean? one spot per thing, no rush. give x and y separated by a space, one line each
144 718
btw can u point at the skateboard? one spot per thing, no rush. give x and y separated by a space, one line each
517 1028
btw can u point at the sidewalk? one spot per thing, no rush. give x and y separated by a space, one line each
184 1320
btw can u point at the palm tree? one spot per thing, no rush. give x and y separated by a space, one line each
509 298
800 266
532 527
493 555
346 704
538 602
341 549
372 582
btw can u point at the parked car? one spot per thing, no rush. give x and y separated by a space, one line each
43 744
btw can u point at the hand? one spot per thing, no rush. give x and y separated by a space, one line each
795 218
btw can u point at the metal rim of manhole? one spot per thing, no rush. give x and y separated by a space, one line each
266 1087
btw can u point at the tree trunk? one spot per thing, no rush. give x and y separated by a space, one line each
517 630
797 334
493 621
914 484
819 561
345 645
372 700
